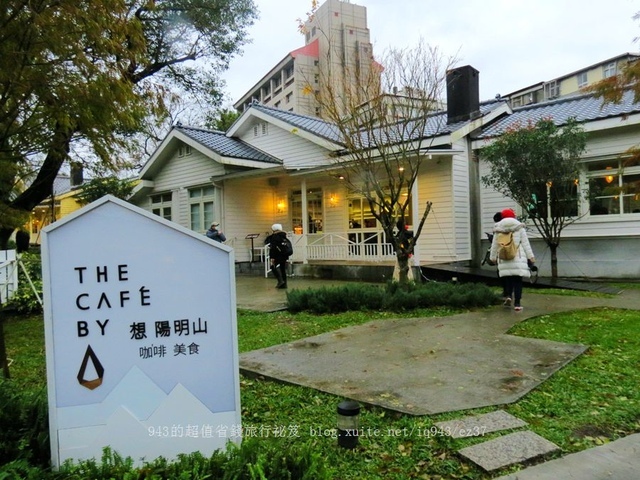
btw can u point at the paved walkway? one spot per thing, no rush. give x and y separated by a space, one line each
459 352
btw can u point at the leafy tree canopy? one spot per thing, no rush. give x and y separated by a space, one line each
99 187
79 78
222 119
537 165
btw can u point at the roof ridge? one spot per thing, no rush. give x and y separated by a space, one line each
200 129
295 114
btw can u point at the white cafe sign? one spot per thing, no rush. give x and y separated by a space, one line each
141 341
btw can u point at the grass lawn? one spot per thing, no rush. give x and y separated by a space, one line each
589 402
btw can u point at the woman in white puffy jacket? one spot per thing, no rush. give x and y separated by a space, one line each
512 271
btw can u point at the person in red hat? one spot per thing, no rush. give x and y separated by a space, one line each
513 270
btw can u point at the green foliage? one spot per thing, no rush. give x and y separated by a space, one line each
394 297
222 119
25 300
538 166
99 187
254 459
81 78
24 429
527 159
595 398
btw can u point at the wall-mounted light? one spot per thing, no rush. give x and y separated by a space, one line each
333 201
608 178
280 206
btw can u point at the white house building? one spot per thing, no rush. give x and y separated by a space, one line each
275 166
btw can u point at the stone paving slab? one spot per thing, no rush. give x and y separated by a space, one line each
477 425
618 460
418 366
508 450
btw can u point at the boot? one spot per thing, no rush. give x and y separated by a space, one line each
278 274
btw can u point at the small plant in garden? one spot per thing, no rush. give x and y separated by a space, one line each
25 301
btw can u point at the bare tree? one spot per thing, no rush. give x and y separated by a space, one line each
384 113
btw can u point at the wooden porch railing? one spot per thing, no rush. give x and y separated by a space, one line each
334 247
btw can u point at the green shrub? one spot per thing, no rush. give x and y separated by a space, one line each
24 428
25 301
254 459
394 297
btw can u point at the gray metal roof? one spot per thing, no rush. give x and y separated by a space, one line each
583 108
62 184
317 126
226 146
435 125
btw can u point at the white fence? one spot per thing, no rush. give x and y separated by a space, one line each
369 247
8 275
341 247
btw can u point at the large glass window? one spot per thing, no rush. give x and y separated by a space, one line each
314 211
614 186
561 199
161 205
201 207
360 215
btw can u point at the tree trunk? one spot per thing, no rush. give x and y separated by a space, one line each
5 234
42 185
554 260
402 272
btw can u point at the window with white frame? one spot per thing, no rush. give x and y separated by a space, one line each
614 186
582 79
315 211
202 207
184 150
516 101
552 89
364 227
161 205
360 215
609 70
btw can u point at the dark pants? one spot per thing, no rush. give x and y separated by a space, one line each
513 288
279 269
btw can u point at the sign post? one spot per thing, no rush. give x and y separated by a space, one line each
252 236
141 338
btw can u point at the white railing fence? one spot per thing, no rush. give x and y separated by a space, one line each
367 246
8 275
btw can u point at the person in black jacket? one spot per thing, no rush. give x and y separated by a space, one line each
277 257
214 233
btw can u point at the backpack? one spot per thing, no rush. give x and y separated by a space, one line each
507 248
285 247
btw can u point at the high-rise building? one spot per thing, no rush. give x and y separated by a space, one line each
337 50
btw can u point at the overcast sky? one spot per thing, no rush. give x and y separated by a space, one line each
512 43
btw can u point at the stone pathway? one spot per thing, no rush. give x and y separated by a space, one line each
500 452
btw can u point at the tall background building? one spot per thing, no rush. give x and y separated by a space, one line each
337 49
